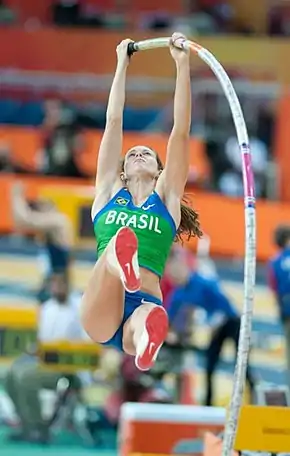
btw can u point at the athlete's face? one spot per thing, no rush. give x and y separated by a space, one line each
140 160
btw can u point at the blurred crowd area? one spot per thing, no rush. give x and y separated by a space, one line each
40 403
62 121
63 125
76 401
194 17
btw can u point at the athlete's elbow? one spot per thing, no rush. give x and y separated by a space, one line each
113 120
181 133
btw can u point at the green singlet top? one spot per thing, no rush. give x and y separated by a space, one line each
152 224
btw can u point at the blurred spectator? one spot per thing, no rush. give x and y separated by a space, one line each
7 164
204 263
279 19
54 230
156 21
200 262
63 140
58 321
193 290
72 13
183 322
279 282
7 15
266 125
196 21
221 11
167 283
90 14
199 17
231 181
206 17
202 20
66 12
135 386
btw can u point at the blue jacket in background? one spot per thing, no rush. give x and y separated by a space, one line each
201 292
279 280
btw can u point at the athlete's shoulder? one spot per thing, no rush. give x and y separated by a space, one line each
120 197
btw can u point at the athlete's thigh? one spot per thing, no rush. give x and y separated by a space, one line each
102 303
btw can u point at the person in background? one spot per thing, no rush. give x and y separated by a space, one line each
66 13
53 229
194 290
7 15
58 321
134 386
62 141
200 262
279 282
167 283
183 322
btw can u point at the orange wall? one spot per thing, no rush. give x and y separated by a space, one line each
282 141
222 218
41 50
26 143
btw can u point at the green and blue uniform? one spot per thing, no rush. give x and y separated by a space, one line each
155 230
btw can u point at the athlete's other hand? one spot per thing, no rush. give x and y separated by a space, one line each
176 50
122 52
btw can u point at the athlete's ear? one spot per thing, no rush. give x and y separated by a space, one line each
122 177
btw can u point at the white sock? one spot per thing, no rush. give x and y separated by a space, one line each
112 262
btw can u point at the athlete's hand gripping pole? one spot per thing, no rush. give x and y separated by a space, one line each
250 221
156 43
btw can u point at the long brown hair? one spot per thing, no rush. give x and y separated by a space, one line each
189 222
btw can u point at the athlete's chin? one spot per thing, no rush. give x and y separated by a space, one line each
141 169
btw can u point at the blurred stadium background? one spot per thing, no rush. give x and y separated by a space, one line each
56 65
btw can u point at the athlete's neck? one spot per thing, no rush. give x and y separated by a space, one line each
140 188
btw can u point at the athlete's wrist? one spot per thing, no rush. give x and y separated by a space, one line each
183 64
121 67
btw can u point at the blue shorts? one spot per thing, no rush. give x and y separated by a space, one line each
132 302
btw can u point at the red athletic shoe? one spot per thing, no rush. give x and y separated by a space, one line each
154 334
126 250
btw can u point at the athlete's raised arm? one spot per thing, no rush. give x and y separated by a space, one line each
111 144
176 169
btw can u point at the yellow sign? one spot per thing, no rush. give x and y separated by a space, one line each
18 332
70 357
264 429
75 203
18 317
